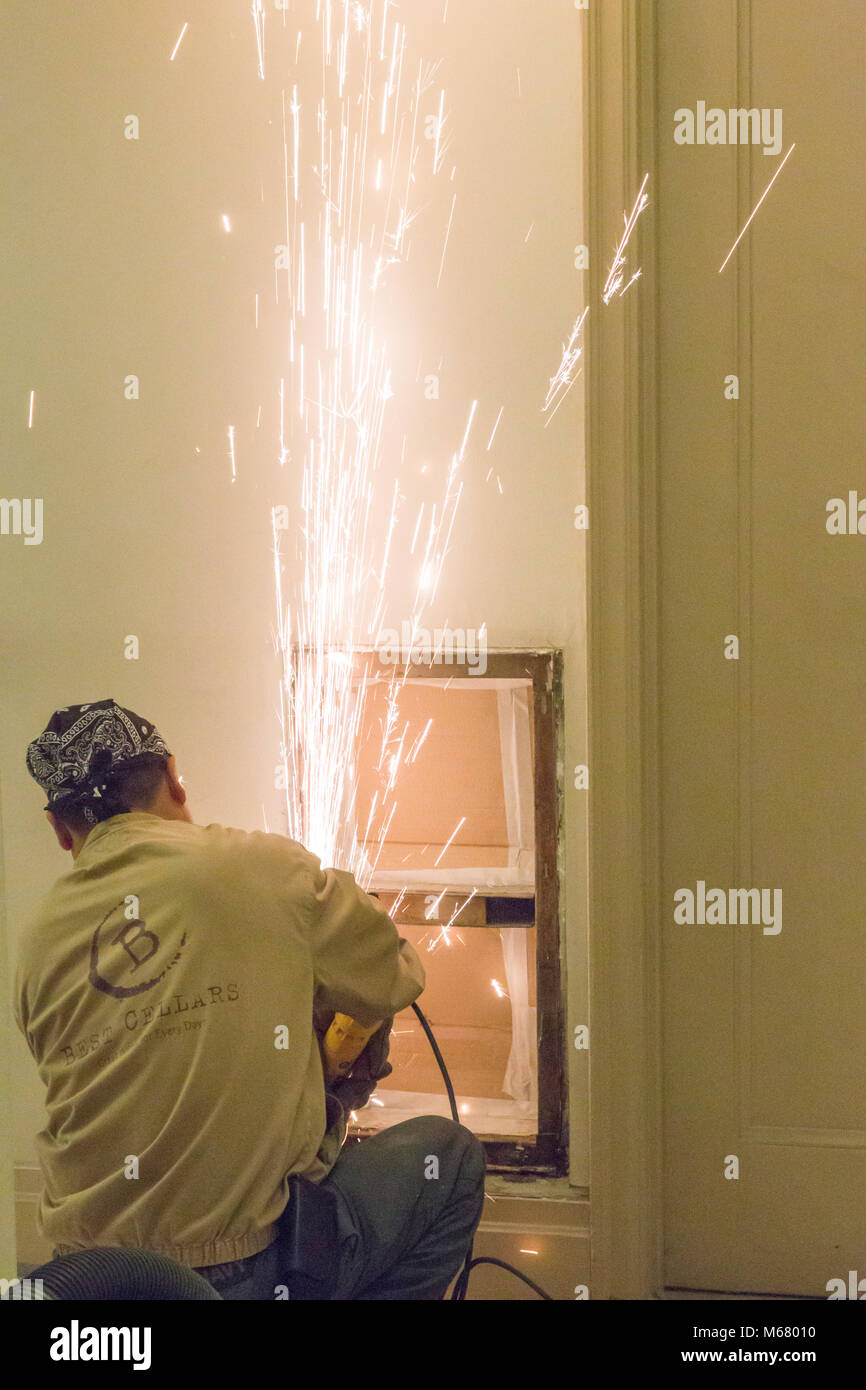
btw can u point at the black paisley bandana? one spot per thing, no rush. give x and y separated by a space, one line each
82 748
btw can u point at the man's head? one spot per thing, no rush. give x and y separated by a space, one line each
99 760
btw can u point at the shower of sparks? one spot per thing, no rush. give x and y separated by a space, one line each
259 22
419 743
453 918
757 205
30 417
447 844
177 45
495 428
431 911
351 132
564 377
395 906
615 275
468 428
499 990
445 243
438 155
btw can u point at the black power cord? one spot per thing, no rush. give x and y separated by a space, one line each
458 1293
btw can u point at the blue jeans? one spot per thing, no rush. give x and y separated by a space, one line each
409 1201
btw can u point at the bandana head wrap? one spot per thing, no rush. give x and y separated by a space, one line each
81 753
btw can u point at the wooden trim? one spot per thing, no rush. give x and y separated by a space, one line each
651 1195
551 1146
743 847
622 643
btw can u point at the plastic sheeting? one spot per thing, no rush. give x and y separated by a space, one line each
521 1077
521 1074
513 699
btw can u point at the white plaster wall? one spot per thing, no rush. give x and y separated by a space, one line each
119 263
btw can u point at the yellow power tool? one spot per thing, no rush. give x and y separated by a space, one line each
343 1044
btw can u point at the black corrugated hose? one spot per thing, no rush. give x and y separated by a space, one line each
109 1273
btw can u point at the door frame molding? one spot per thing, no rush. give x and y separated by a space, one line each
619 74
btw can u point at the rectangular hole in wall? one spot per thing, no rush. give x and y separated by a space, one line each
455 863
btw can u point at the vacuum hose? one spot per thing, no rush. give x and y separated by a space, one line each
109 1273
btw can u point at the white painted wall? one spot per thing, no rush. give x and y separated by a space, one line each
119 263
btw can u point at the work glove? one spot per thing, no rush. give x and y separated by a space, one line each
353 1092
370 1067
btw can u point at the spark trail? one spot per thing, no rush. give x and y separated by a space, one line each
351 121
